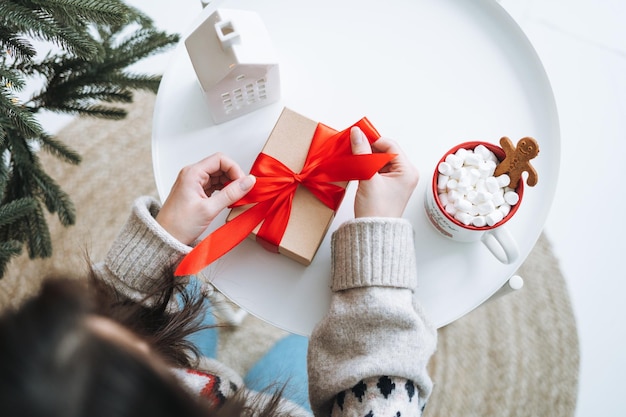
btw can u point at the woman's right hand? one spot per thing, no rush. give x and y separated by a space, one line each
387 193
193 202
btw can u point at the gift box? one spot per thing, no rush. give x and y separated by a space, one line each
301 175
309 218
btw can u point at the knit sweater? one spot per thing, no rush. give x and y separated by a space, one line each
367 356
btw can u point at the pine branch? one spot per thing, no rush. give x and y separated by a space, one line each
20 48
28 173
137 81
21 230
55 199
117 88
74 86
83 99
38 240
4 169
28 181
136 16
63 70
58 149
8 250
10 79
100 111
15 210
38 24
17 117
111 12
141 44
99 91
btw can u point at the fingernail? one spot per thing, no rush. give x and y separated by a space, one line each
247 182
356 136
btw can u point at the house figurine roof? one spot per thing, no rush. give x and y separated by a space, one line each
235 63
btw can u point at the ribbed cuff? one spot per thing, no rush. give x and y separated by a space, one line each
144 251
373 251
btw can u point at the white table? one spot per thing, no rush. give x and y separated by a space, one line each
428 73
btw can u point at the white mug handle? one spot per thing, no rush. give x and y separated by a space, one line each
501 244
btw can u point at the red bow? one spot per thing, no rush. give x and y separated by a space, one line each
329 160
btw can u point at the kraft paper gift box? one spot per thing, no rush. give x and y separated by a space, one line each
309 219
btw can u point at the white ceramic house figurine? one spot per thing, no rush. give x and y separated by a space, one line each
235 63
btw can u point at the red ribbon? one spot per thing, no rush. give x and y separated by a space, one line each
328 161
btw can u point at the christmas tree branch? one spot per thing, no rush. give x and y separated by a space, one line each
14 114
58 149
92 44
15 45
16 210
38 24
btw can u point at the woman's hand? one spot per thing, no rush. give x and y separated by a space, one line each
193 202
387 193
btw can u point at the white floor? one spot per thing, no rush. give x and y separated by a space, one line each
582 44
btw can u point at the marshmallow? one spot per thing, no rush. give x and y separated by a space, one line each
480 185
494 217
463 205
486 207
498 198
487 168
503 180
511 197
472 160
457 173
464 218
442 181
462 153
443 199
455 161
450 209
492 184
479 221
453 195
505 209
483 196
445 168
474 176
464 186
469 191
482 151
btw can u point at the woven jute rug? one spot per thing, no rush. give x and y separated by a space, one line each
514 356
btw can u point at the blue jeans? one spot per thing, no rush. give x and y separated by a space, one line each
282 366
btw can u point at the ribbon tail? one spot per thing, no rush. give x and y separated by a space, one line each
273 228
222 240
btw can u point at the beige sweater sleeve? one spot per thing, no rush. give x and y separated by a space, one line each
374 327
142 253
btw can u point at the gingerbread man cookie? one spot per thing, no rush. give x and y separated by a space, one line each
517 160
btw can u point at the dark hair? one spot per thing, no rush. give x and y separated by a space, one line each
52 364
165 326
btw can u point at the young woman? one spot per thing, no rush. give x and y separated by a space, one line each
120 343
